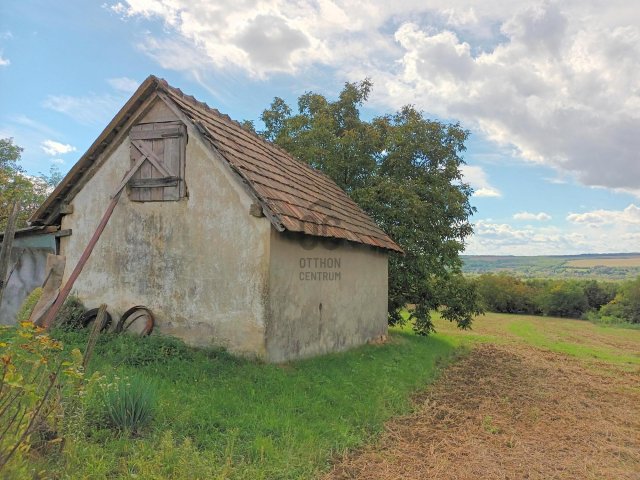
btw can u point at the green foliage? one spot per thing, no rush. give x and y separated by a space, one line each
599 293
563 299
630 301
28 305
70 313
151 350
68 316
626 304
463 300
38 383
504 293
128 404
404 171
16 186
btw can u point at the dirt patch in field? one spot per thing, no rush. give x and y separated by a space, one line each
512 412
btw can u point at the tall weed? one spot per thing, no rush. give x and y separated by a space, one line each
128 404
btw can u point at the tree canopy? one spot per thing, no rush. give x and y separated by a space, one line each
17 186
404 171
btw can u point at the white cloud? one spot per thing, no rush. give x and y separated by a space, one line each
57 161
4 62
53 148
93 108
96 109
597 231
629 216
532 216
555 81
504 239
560 86
260 38
477 178
123 84
487 192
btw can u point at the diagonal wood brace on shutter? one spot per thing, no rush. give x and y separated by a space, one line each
152 157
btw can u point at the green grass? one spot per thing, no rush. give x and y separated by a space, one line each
555 340
615 345
224 417
219 416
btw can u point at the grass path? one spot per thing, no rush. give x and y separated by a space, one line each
536 398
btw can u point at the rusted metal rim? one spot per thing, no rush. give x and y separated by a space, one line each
132 315
90 316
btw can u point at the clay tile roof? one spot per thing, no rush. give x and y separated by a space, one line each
294 196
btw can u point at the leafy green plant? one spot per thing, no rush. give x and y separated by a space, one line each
152 350
35 379
70 313
28 305
128 404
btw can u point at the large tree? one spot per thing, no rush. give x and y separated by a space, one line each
404 171
17 186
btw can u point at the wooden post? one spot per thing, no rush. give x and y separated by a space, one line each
7 244
64 292
98 325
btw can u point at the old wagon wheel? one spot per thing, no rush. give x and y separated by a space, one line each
138 319
89 317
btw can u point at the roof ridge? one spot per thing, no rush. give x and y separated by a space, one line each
246 150
224 116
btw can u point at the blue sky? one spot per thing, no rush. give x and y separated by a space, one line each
549 90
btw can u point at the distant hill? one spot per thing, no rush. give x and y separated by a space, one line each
613 266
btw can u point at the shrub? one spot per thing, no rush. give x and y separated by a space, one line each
504 293
564 299
28 305
70 313
626 304
128 404
599 293
67 317
37 384
139 351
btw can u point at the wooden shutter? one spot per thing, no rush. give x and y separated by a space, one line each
161 175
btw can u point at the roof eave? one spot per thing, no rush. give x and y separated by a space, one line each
46 213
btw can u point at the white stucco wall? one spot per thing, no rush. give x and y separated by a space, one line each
200 264
322 299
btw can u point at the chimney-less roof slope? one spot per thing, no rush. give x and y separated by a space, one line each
297 197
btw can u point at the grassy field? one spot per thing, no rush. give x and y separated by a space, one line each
606 266
535 398
591 343
623 261
223 417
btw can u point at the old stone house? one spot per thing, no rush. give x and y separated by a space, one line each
224 236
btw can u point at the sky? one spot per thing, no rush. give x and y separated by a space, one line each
550 90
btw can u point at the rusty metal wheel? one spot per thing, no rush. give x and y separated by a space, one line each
89 317
138 319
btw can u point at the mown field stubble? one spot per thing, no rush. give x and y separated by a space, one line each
535 398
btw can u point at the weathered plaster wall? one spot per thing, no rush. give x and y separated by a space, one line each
200 264
27 266
323 299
